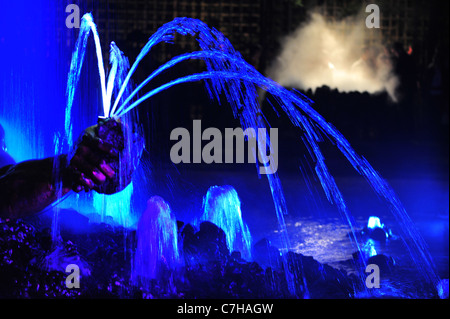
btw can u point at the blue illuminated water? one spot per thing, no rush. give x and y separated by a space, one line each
222 207
156 255
373 222
116 206
32 80
229 74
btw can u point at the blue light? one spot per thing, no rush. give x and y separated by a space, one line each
372 252
33 71
30 104
117 206
374 222
238 81
222 207
157 244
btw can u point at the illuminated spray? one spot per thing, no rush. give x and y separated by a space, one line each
227 73
222 207
157 244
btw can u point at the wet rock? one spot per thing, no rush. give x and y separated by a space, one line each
188 240
188 231
378 234
210 270
318 280
236 256
20 276
180 225
266 254
211 241
61 257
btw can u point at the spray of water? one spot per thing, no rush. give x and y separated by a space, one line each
117 205
87 25
241 96
222 207
157 253
229 74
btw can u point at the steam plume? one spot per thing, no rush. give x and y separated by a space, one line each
322 53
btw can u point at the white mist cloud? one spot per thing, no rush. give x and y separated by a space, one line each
318 53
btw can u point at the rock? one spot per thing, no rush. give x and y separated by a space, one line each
378 234
211 273
266 254
58 259
187 231
322 281
211 241
188 239
236 255
180 225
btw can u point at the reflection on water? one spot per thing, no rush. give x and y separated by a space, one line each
328 241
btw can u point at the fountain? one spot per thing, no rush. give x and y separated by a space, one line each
228 74
222 207
157 255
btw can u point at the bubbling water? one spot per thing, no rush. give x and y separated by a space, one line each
222 207
227 73
157 254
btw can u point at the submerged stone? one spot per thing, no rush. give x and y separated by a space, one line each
266 254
